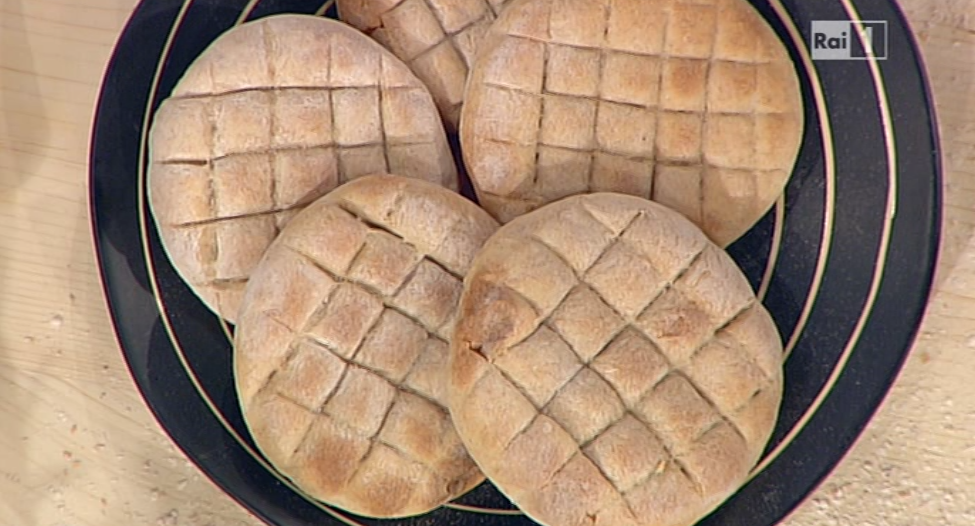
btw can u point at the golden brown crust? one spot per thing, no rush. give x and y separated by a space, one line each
695 105
341 350
437 38
274 114
612 366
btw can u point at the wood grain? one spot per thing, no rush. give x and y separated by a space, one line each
78 447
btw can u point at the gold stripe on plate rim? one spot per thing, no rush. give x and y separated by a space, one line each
879 262
325 6
777 236
164 316
774 249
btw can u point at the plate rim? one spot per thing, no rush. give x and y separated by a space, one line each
935 242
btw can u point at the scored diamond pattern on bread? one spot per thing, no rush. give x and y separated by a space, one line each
642 398
693 104
274 114
437 38
345 392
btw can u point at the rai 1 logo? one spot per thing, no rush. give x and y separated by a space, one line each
848 39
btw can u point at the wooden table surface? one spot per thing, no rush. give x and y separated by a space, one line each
78 447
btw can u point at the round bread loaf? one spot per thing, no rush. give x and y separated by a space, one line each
272 115
341 352
611 366
694 104
437 38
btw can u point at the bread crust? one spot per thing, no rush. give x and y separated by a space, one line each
612 366
272 115
694 104
341 351
437 38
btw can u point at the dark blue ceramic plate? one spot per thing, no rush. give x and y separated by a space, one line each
844 261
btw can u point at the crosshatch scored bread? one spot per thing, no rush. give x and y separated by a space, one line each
437 38
341 352
611 366
694 104
272 115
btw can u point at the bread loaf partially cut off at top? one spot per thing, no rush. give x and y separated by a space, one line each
437 38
